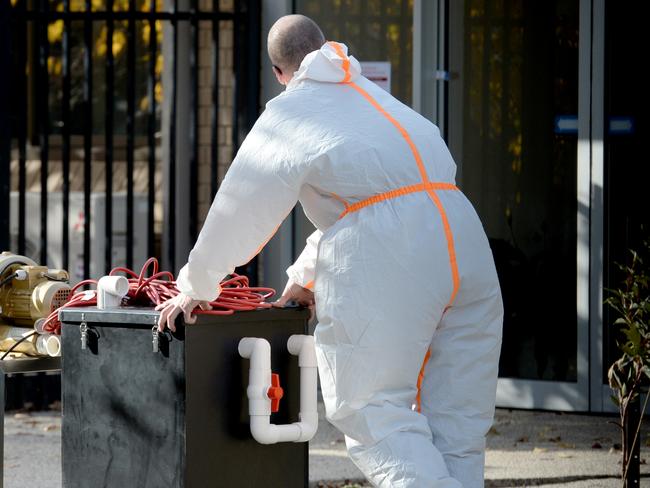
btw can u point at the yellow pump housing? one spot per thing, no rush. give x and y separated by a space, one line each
37 294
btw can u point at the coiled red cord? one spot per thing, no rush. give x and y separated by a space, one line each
149 291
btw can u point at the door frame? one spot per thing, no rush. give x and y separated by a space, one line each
588 392
600 391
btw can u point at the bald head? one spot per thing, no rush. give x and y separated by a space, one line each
290 39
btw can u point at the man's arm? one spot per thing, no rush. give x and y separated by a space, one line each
302 272
260 189
301 276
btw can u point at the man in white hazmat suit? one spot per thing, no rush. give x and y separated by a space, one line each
405 288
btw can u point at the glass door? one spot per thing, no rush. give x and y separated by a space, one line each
374 31
623 172
516 127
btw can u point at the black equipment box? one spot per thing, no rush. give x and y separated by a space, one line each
178 417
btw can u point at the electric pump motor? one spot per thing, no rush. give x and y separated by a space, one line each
28 291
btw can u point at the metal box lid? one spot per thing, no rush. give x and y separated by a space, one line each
149 316
131 315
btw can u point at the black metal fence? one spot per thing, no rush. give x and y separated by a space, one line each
27 113
35 108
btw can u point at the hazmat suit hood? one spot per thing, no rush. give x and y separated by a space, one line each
327 65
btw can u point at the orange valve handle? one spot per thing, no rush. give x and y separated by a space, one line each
275 392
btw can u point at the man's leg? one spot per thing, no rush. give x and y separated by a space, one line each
402 459
459 385
368 391
381 287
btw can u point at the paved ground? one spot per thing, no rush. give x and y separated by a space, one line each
524 449
31 437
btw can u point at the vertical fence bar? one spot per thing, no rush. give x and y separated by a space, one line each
22 131
88 131
42 90
5 128
236 48
446 68
130 132
238 69
151 129
65 133
109 118
214 143
246 47
171 201
194 121
250 96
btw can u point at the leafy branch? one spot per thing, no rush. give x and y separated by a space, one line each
627 375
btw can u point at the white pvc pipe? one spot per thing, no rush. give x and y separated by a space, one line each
259 404
111 290
264 432
39 325
49 344
303 347
259 374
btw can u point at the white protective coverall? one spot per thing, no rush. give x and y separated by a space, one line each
405 285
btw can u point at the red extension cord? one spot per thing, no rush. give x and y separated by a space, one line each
153 290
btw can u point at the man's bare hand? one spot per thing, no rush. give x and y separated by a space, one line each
174 306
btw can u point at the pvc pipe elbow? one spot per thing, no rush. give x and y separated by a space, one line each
257 350
308 426
261 429
303 347
111 290
264 432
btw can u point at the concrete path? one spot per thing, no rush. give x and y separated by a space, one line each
524 449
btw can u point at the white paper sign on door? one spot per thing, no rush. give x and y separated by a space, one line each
377 72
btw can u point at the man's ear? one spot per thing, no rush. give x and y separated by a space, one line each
278 76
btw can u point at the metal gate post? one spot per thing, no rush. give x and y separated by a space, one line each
177 193
247 45
253 87
5 126
250 99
